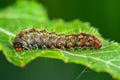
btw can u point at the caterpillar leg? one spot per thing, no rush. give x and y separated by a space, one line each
25 47
52 47
62 48
71 49
79 48
44 47
70 46
88 48
35 46
29 47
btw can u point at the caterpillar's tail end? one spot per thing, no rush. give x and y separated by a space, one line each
98 44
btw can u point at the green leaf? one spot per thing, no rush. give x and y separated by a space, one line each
25 10
24 15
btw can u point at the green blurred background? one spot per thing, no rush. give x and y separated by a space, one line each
103 14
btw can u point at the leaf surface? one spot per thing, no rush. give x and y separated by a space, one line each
23 15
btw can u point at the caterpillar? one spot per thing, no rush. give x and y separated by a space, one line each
33 39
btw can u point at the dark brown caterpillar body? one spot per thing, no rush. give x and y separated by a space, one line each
33 39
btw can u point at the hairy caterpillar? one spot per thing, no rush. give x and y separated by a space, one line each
33 39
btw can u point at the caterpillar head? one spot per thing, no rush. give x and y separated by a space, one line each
20 42
19 45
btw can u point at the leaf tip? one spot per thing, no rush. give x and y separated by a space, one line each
22 65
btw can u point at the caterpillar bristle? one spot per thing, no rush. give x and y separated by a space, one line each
34 39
